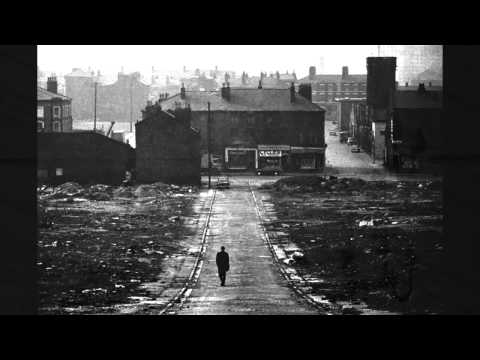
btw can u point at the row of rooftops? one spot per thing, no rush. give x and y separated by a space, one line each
241 99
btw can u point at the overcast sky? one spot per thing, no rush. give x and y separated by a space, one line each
109 59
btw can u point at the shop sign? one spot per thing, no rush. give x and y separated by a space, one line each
270 153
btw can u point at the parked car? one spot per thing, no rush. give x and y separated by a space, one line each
333 133
355 149
351 141
269 171
223 182
343 136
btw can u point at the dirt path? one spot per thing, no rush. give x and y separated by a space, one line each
254 285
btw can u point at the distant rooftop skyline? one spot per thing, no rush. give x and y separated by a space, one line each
111 59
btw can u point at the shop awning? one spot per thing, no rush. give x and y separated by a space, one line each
274 147
307 150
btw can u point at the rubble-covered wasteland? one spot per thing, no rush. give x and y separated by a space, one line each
367 246
98 243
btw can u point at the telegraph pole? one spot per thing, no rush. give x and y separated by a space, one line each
131 104
208 147
95 107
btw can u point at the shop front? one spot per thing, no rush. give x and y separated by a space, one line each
272 158
241 158
307 158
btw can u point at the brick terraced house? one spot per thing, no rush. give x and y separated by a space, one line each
327 87
168 149
254 128
54 112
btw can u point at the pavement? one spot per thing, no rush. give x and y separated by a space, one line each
338 155
340 161
254 285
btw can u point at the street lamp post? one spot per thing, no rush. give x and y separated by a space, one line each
208 147
95 107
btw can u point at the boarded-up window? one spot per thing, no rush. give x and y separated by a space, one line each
42 173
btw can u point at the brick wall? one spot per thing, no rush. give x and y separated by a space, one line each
249 129
167 150
84 158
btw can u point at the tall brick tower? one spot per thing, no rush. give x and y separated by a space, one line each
380 95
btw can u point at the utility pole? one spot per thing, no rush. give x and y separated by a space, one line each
131 104
95 107
208 147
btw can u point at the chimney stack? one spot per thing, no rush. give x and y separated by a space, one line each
430 84
421 88
225 91
406 84
344 72
52 84
292 93
182 91
312 72
260 84
306 91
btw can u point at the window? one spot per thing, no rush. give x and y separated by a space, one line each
40 125
59 171
39 111
56 126
56 111
42 173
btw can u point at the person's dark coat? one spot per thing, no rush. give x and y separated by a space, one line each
223 262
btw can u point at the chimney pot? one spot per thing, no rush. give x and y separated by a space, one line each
52 84
182 92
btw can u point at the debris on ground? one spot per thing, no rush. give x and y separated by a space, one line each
373 242
97 243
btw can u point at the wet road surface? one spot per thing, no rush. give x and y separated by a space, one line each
254 284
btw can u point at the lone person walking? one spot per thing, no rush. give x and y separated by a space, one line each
223 265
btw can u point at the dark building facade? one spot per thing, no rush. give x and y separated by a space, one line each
253 127
414 136
53 109
85 157
167 148
380 101
399 125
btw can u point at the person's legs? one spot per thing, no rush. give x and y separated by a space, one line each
222 277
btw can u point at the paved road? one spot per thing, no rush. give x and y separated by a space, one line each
339 155
254 285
